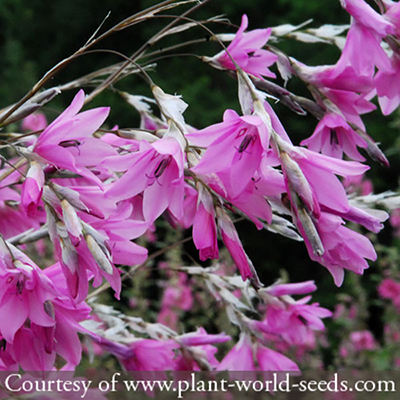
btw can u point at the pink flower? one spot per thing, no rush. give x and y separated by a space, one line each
34 122
344 248
157 170
343 86
45 321
367 16
67 142
333 136
243 355
240 357
142 354
390 289
271 360
294 321
387 84
247 51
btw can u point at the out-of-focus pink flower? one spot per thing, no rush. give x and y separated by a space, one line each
358 184
34 122
246 49
395 221
290 289
363 340
390 289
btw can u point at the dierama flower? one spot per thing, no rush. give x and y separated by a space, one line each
246 49
67 142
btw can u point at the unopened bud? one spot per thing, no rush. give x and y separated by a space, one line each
71 219
102 261
311 232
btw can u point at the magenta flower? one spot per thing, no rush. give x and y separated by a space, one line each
23 292
390 289
142 354
157 170
240 357
245 354
234 146
363 62
247 51
367 16
45 321
333 136
342 86
67 143
294 321
271 360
